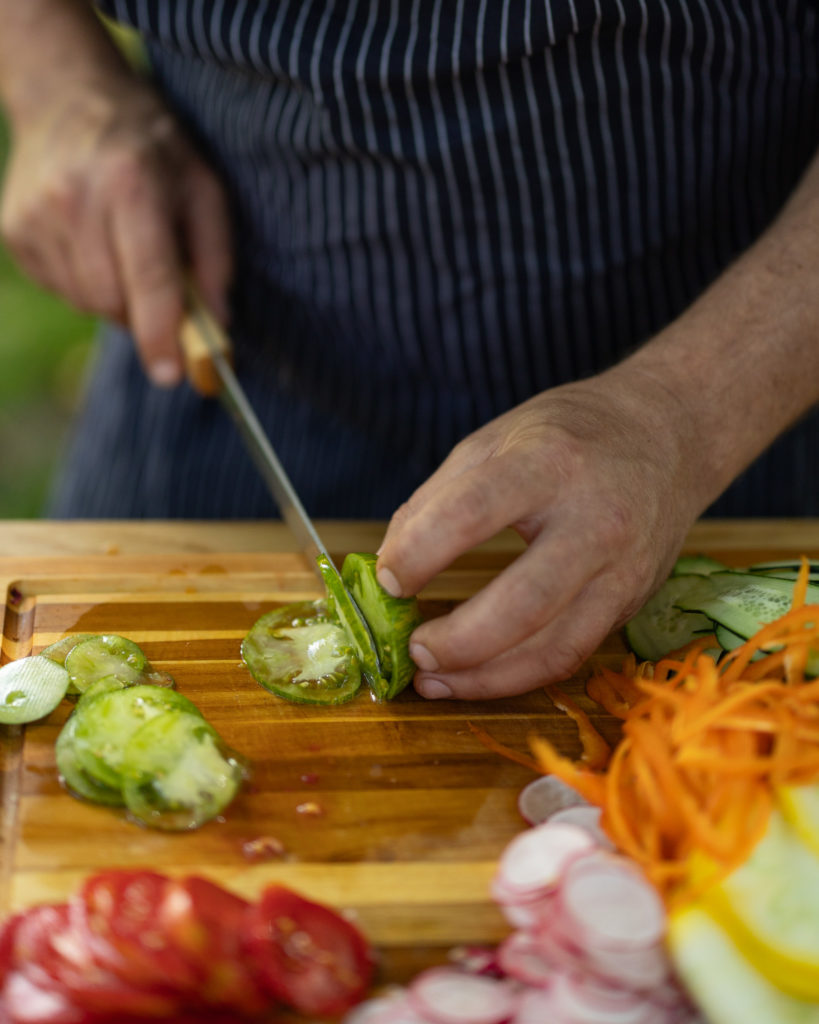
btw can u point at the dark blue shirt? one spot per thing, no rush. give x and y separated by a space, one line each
442 208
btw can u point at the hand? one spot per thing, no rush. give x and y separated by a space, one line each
106 202
598 479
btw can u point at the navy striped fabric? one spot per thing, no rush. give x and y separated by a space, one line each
443 207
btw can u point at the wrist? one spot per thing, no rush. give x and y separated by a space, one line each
52 51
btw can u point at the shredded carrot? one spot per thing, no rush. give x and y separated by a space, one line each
703 747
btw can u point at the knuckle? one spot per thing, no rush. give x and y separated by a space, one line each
563 658
615 524
564 457
62 198
402 514
124 174
158 281
527 599
106 303
471 510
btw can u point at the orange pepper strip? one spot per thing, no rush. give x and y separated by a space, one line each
596 752
499 748
590 785
603 693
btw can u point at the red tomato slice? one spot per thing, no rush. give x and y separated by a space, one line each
53 955
8 931
305 954
25 1003
118 913
205 921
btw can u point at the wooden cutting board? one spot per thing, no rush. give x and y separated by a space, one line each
393 811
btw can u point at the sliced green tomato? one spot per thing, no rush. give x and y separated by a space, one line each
391 620
61 648
30 688
298 652
73 775
356 626
660 626
157 677
177 773
107 722
103 656
99 687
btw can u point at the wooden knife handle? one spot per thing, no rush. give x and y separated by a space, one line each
197 348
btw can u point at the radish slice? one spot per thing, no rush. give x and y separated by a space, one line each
476 960
545 796
520 957
606 903
557 953
394 1008
642 970
535 860
587 817
584 1002
537 1007
445 995
528 916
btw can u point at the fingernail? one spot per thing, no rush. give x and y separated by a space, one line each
165 373
423 658
389 582
433 689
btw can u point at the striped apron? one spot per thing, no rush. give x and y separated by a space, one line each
443 207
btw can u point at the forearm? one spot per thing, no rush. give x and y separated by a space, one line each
742 363
46 43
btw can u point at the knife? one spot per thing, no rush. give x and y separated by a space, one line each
208 354
208 363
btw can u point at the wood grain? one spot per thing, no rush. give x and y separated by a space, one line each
413 810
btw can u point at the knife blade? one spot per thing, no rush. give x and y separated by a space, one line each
207 356
208 361
208 352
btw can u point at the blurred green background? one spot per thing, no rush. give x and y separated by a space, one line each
44 350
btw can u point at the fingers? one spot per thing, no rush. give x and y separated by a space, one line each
96 267
453 516
532 591
147 250
553 653
208 237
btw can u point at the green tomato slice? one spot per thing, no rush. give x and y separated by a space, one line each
391 620
356 626
103 656
300 653
30 688
62 647
74 777
177 773
105 724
